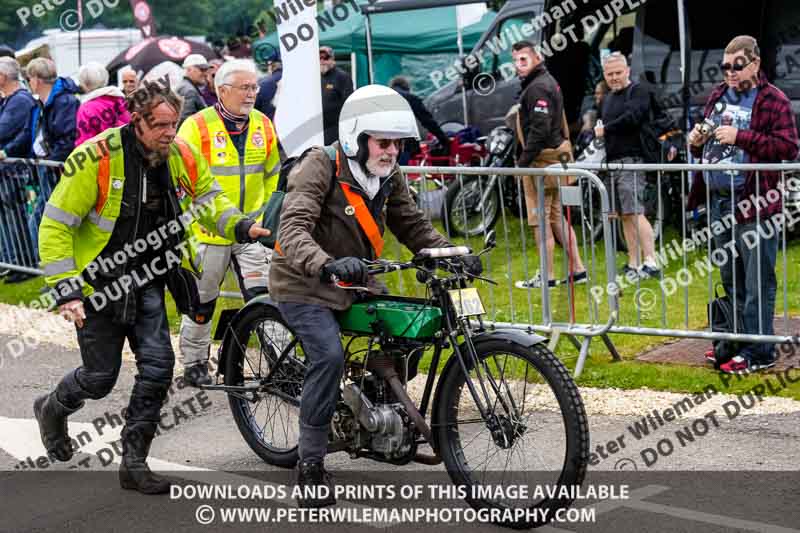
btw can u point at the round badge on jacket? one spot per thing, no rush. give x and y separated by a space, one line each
350 210
258 139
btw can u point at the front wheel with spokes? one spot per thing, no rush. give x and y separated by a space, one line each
535 433
267 409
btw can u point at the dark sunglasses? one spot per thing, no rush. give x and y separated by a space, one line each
324 57
738 67
384 144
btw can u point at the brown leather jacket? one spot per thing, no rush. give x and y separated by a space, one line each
316 228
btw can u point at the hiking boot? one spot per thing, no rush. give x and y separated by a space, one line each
134 474
52 415
197 375
313 477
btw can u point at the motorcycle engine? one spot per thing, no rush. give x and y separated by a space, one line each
384 425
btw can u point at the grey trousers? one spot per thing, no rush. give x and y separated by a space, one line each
250 262
318 331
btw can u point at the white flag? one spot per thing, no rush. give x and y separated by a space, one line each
298 114
469 14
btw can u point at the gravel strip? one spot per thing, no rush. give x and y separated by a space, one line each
34 326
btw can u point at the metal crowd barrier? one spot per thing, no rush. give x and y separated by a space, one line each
470 201
493 198
789 193
25 186
670 184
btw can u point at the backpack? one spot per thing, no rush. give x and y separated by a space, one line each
272 211
659 134
720 317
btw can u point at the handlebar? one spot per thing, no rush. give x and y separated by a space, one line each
426 259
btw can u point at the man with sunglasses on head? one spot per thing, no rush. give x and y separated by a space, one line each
336 88
340 199
241 148
752 123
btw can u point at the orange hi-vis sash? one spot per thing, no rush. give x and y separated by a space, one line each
364 218
362 214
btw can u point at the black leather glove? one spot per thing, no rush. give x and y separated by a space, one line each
472 264
348 269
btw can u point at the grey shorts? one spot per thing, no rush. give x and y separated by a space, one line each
628 186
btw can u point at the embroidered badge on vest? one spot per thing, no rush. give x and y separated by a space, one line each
219 140
349 210
258 139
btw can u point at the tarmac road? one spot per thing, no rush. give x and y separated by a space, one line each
739 474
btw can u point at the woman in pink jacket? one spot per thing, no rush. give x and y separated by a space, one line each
102 106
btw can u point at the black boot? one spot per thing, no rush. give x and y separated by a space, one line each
134 474
197 375
52 417
314 478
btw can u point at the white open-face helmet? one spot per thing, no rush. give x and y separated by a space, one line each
374 110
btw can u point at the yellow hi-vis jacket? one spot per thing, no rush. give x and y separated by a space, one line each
248 182
85 205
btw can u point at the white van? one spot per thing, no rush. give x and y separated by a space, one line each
96 45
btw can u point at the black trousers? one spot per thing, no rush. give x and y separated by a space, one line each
101 340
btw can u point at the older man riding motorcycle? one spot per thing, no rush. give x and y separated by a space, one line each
333 217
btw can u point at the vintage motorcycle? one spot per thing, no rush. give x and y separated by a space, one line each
504 411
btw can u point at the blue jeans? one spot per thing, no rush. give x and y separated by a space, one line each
318 331
746 248
16 247
48 178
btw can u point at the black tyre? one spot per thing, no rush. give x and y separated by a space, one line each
268 418
543 436
461 208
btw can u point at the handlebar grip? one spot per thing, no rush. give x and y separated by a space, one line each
440 253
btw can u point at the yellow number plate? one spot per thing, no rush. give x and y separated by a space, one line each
467 302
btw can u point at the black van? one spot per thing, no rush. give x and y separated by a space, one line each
646 31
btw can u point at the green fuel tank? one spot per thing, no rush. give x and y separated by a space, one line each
401 318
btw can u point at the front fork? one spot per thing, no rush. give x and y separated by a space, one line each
481 397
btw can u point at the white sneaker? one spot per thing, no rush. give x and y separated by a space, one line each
535 282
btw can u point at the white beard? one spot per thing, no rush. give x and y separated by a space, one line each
381 170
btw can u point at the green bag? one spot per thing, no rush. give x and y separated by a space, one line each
272 212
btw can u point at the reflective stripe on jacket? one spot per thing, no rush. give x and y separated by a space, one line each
83 209
249 182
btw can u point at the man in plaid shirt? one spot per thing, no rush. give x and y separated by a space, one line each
753 123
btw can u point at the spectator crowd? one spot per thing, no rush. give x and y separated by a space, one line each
44 116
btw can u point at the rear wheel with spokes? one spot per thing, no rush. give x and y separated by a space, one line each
535 433
267 414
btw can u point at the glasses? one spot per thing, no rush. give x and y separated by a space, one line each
324 57
738 66
245 88
384 144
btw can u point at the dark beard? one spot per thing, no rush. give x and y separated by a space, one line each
153 159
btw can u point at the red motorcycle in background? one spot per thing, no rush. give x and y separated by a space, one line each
432 191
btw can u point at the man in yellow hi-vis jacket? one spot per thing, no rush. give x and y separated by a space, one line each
112 237
241 148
